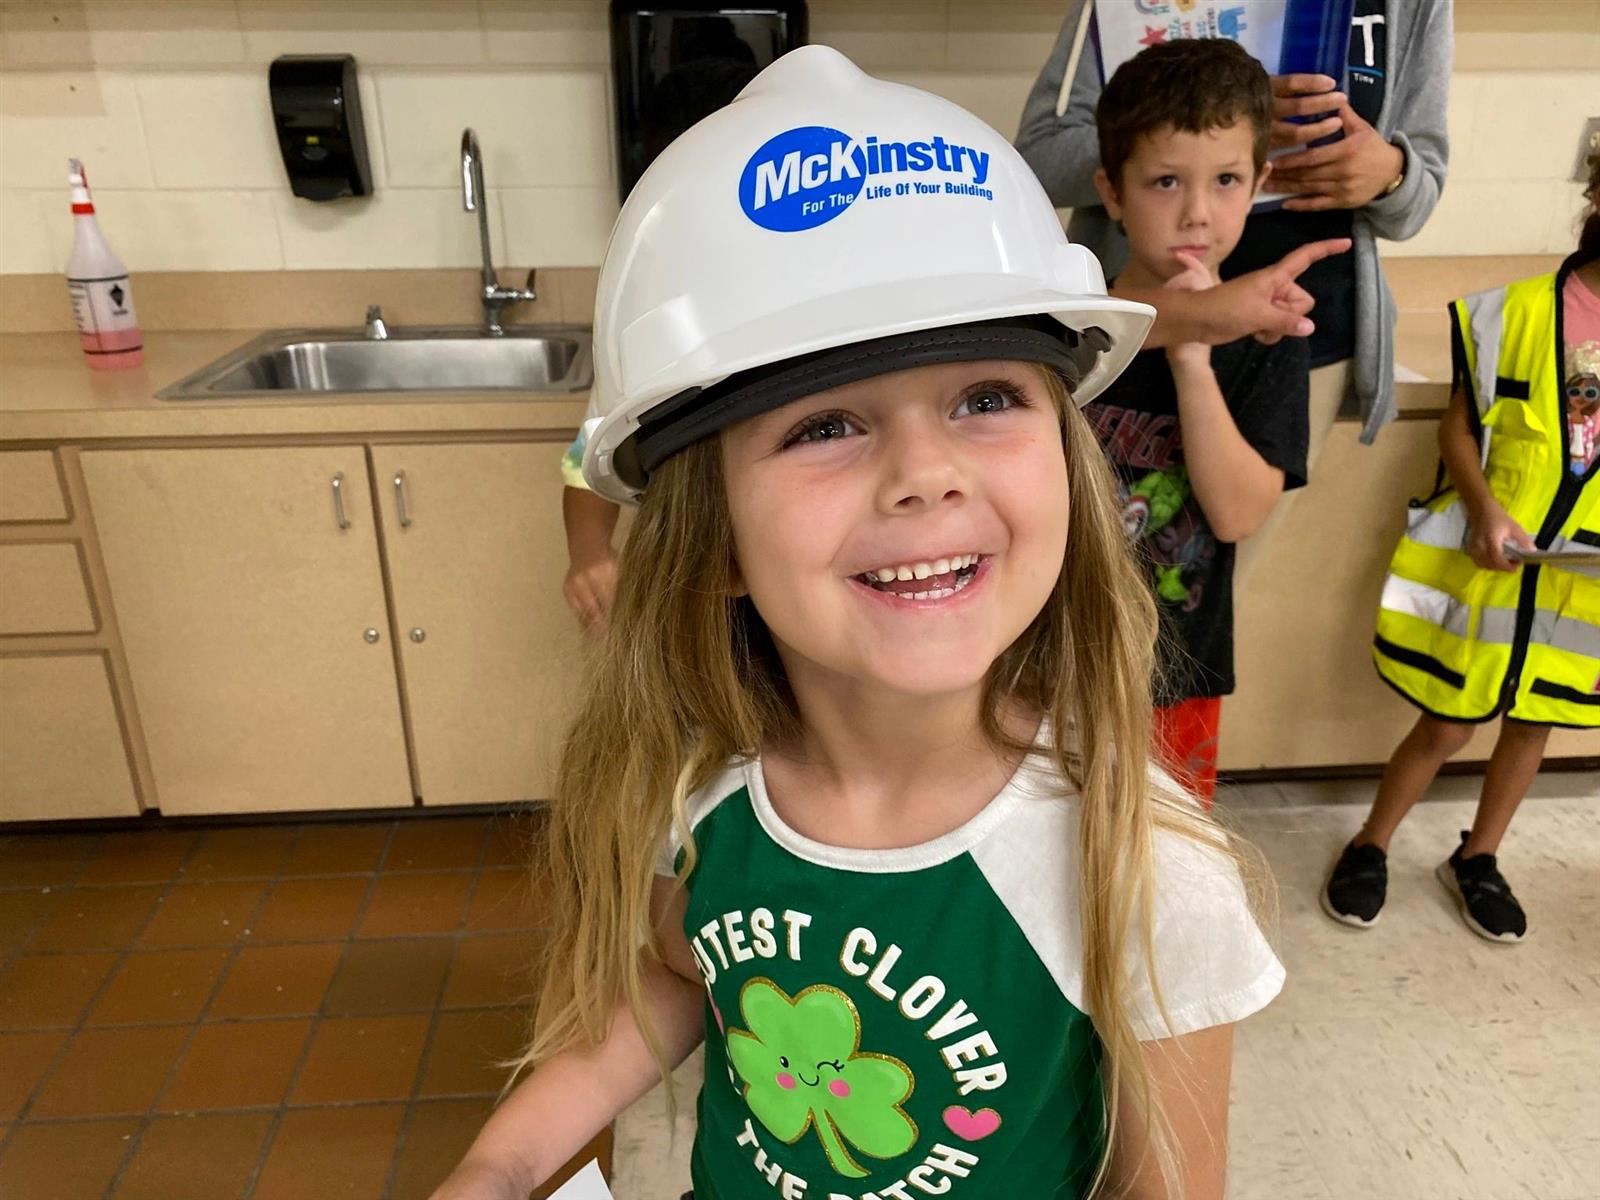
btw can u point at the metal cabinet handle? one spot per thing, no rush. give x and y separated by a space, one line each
419 635
400 499
338 502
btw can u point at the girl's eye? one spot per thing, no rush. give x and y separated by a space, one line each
822 427
1227 179
990 398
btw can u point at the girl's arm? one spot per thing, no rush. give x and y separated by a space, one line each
558 1109
1489 527
1189 1077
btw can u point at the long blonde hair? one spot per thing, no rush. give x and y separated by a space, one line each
688 679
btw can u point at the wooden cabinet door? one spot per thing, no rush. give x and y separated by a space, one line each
61 748
249 593
491 658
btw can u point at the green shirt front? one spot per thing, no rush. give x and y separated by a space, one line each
907 1023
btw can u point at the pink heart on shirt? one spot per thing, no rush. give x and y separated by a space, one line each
971 1126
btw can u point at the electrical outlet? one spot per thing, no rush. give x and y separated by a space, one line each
1589 145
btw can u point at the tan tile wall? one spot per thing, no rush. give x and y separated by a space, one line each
164 100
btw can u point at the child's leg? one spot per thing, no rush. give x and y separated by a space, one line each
1415 762
1518 751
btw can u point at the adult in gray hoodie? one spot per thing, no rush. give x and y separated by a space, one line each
1400 58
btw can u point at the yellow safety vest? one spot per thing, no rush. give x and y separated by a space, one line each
1466 644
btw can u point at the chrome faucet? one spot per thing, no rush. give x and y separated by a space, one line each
377 330
475 198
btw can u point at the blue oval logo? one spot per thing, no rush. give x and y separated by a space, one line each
802 178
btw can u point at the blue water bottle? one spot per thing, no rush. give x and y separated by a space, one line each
1316 41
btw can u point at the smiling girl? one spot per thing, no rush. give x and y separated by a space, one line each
860 795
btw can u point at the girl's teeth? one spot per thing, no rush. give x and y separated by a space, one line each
884 574
922 570
942 567
904 574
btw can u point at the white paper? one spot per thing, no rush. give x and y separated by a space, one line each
587 1184
1128 26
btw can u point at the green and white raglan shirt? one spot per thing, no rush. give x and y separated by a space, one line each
908 1023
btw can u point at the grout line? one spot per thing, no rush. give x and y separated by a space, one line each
433 1021
316 1026
194 1032
105 985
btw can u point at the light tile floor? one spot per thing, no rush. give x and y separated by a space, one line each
1412 1061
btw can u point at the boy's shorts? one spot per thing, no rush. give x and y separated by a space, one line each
1185 737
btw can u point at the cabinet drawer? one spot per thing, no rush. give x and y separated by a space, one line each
61 747
30 487
45 589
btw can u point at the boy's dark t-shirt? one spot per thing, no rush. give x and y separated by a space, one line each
1136 419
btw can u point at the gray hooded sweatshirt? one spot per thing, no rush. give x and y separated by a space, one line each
1064 152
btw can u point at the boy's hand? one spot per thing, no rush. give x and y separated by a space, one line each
589 589
1351 172
1195 277
1488 532
1269 304
1304 96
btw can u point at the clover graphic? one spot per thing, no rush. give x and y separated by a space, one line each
802 1066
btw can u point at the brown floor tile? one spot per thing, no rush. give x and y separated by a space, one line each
44 859
407 904
51 989
505 900
149 856
203 914
309 910
239 853
209 1155
511 839
338 848
72 1161
100 918
494 968
276 981
163 985
361 1058
22 912
438 1133
598 1148
110 1071
389 976
240 1064
468 1048
342 1152
24 1058
436 844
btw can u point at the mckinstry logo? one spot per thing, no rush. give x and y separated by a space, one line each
807 176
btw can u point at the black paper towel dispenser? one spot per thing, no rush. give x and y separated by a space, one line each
316 107
675 62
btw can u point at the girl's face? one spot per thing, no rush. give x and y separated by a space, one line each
899 533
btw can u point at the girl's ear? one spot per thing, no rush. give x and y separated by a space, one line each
1108 193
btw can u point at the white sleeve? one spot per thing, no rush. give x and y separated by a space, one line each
701 805
1211 958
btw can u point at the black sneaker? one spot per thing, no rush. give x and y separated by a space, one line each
1355 891
1487 905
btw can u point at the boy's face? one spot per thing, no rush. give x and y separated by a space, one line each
1184 192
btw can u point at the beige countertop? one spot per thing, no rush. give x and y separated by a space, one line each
48 393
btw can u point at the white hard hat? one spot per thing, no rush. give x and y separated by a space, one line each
823 228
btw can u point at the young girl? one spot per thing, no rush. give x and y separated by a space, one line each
1468 631
860 794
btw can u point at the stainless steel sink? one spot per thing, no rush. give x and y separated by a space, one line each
548 358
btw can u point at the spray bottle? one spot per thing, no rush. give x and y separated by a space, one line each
102 299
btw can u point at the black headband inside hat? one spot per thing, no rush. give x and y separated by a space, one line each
682 420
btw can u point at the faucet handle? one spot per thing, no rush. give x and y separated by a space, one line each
376 328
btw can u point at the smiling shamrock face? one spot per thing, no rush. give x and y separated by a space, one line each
801 1064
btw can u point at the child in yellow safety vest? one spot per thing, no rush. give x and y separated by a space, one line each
1492 603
